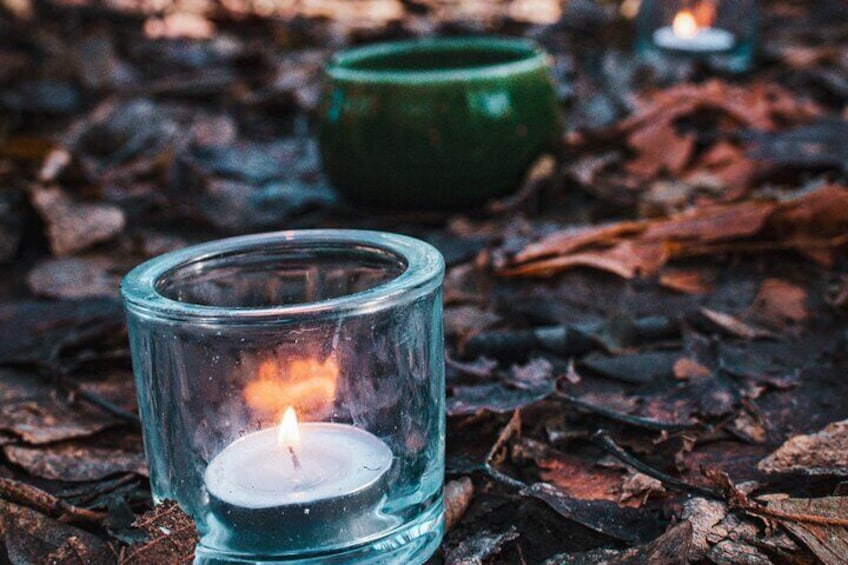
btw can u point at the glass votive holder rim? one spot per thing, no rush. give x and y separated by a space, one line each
423 270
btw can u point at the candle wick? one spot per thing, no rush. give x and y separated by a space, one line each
295 460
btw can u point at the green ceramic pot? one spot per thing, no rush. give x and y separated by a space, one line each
436 124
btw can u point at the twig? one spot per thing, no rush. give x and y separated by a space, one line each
638 421
44 502
604 441
738 499
97 400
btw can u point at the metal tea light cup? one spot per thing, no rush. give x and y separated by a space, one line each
437 123
291 389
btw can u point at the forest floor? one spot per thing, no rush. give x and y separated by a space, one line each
647 347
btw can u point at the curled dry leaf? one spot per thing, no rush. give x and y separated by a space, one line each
814 224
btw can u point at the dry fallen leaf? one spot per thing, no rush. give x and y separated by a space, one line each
687 282
74 226
687 368
779 302
815 224
822 453
828 543
77 461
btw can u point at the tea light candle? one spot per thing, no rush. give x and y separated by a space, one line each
685 35
297 484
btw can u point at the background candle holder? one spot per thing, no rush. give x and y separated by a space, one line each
722 32
344 327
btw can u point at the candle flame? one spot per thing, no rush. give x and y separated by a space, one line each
684 24
288 433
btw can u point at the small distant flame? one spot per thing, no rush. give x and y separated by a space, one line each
288 433
684 24
307 384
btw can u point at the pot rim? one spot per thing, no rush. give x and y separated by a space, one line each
531 57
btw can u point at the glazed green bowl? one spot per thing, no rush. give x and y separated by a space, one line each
436 124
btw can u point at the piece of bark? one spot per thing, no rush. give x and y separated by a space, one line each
74 226
703 515
822 453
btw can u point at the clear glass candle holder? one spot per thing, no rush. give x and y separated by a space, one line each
291 389
722 32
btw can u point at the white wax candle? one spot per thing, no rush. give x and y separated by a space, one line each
704 40
335 461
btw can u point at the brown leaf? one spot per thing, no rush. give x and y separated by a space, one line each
601 516
73 226
573 239
828 543
710 223
822 453
779 302
687 282
32 410
574 476
626 259
660 148
75 461
687 368
638 487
